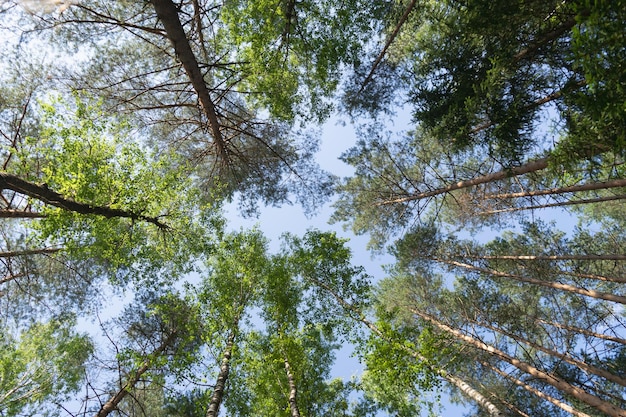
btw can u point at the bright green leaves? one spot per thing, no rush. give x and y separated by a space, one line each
294 51
46 361
136 210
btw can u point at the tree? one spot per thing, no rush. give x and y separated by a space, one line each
43 364
522 311
223 87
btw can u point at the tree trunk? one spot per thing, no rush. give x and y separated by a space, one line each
46 195
168 14
20 214
27 252
583 331
461 385
561 204
563 406
114 401
220 385
532 166
562 356
555 381
390 40
293 391
603 185
549 284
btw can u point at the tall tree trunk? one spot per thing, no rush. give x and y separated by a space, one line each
46 195
560 204
293 389
20 214
461 385
550 379
603 257
168 14
602 185
549 284
532 166
114 401
28 252
583 331
390 40
563 406
562 356
222 378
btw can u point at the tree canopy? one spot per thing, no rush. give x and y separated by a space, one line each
128 128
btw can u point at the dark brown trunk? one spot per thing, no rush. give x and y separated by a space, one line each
46 195
168 14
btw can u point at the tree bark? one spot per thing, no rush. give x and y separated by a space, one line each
47 196
293 390
20 214
555 381
602 185
392 37
27 252
562 356
220 385
605 257
560 204
531 166
168 14
583 331
563 406
461 385
113 402
556 285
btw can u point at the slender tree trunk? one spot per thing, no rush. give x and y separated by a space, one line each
555 381
562 356
603 185
168 14
461 385
28 252
470 392
222 378
20 214
549 284
604 257
12 277
46 195
595 276
563 406
392 37
293 391
114 401
532 166
546 39
583 331
560 204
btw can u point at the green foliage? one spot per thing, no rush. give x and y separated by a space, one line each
88 159
46 362
294 51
